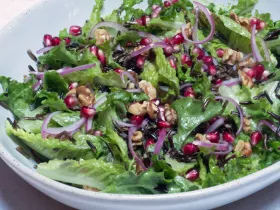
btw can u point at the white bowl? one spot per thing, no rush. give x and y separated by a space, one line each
26 32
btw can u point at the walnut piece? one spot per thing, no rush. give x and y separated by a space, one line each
148 88
244 148
246 80
170 114
249 62
90 189
101 36
200 137
152 110
244 22
138 108
137 137
239 146
232 57
188 30
246 125
85 96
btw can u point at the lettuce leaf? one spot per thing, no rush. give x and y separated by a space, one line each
244 7
181 184
53 82
191 115
111 79
93 173
179 167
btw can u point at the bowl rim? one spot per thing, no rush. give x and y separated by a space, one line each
12 162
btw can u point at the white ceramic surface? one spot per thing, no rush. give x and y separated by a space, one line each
26 32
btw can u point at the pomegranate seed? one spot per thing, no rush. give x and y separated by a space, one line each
251 73
75 30
189 92
199 52
177 39
167 4
55 41
149 142
185 59
144 20
192 175
73 85
212 70
156 101
168 50
208 60
87 112
256 137
97 133
136 119
254 21
129 44
161 112
146 41
101 57
167 40
220 53
94 50
176 49
71 101
140 61
213 137
190 149
67 40
218 82
118 70
47 40
140 21
258 69
163 124
172 63
261 25
228 137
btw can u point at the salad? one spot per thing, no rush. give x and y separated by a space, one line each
174 98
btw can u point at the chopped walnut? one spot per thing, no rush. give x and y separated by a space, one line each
138 108
200 137
170 114
244 22
137 136
249 62
90 189
131 85
239 146
101 36
246 125
152 110
244 148
139 169
188 30
246 80
232 57
148 88
85 96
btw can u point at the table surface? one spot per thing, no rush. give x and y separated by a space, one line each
17 194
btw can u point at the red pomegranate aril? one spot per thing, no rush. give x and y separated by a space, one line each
220 53
101 57
47 40
146 41
228 137
208 60
213 137
87 112
136 119
163 124
186 60
212 70
177 39
218 82
176 49
144 20
73 85
140 61
261 25
94 50
55 41
199 52
149 142
168 50
190 149
258 69
256 137
172 63
167 4
75 30
251 73
189 92
71 101
192 175
97 133
129 44
67 40
118 70
254 21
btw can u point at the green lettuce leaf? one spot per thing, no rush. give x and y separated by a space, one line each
244 7
66 119
179 167
181 184
53 82
191 115
111 79
93 173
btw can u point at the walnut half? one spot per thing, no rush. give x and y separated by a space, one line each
148 88
170 114
101 36
232 57
138 108
244 148
84 95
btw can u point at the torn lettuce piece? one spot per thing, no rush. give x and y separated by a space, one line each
111 79
66 119
92 173
244 7
181 184
53 82
179 167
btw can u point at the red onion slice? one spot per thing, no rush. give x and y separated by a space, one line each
144 123
107 24
148 47
221 147
100 101
37 85
151 36
134 90
186 85
130 77
88 125
161 138
130 147
218 123
124 124
54 131
266 51
268 124
255 49
78 68
230 148
231 82
238 107
44 50
209 18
